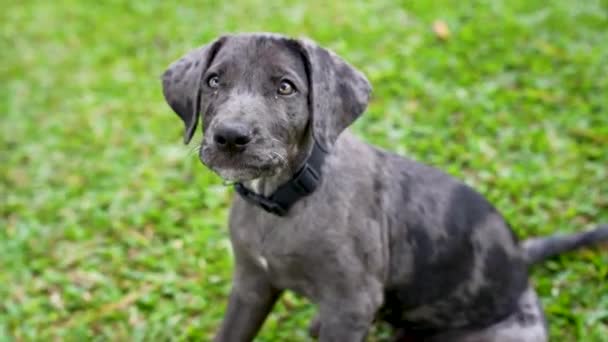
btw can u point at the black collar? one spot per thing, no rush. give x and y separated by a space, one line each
302 184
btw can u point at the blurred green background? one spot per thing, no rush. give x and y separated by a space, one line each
111 229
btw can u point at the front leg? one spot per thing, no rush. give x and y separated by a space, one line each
348 316
251 299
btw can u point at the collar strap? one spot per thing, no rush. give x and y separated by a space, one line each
302 184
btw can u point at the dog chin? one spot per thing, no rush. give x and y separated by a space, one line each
240 169
244 174
234 176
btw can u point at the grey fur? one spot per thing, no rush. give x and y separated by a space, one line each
383 237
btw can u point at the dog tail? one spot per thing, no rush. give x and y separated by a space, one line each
539 249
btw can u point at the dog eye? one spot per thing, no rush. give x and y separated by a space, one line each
213 81
286 88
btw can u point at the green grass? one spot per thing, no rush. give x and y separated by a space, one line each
111 229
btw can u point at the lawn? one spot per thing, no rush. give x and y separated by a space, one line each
111 229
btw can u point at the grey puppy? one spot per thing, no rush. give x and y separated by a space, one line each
366 234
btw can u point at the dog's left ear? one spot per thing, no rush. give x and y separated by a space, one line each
181 84
338 93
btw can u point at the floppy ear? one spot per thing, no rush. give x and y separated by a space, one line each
338 93
182 81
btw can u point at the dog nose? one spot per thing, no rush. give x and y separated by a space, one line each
232 136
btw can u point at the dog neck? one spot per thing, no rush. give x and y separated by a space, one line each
265 186
277 194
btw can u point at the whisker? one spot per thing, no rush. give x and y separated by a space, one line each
275 139
194 150
281 158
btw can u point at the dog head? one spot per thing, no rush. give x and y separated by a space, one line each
262 99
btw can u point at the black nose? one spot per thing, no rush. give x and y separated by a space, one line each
232 136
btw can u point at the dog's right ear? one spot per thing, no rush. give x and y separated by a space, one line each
182 81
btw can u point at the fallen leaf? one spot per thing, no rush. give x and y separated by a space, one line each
441 29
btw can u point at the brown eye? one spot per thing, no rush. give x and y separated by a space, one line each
213 81
286 88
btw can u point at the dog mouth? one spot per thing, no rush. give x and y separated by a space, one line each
241 167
